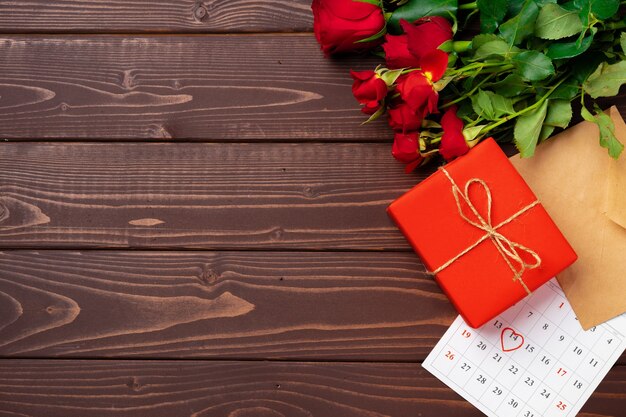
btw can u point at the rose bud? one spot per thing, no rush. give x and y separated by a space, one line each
452 142
406 147
402 118
369 89
340 24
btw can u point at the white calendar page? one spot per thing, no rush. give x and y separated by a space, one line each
534 360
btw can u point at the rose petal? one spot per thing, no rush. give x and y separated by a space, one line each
427 35
397 53
435 63
452 142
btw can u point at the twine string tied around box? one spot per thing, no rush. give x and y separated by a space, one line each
508 249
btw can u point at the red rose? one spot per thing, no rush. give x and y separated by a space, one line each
369 89
416 87
339 24
452 142
427 34
406 147
403 119
397 54
407 51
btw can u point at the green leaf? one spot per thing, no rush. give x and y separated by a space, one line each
374 2
490 105
601 9
497 48
560 50
528 128
470 133
554 22
622 41
566 91
605 124
513 85
606 80
546 132
415 9
515 6
533 65
390 76
482 105
559 113
483 38
581 67
491 14
522 25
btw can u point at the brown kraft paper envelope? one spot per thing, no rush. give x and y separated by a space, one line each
584 190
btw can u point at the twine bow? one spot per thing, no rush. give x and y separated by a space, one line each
508 249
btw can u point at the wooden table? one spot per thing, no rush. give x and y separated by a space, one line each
192 222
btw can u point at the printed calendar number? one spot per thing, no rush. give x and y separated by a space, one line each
578 350
513 403
545 393
529 348
529 414
497 324
481 345
497 391
545 360
465 367
561 372
561 405
450 355
497 357
529 381
513 369
481 379
578 384
466 334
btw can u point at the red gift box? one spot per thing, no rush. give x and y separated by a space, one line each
478 226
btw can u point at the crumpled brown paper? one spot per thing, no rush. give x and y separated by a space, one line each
584 190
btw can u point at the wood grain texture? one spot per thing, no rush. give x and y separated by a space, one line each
211 196
339 306
132 16
219 87
245 389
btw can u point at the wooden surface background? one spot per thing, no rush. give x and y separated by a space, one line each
192 223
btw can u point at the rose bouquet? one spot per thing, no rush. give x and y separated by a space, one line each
444 89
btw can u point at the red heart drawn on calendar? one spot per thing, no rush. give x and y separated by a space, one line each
511 340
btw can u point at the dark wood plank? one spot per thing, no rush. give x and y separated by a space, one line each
245 389
255 305
212 196
350 306
219 87
110 16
